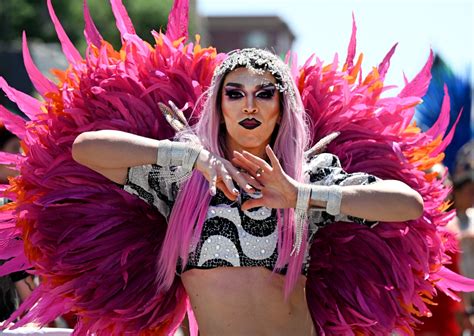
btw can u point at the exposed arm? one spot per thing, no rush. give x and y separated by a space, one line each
114 149
386 200
111 153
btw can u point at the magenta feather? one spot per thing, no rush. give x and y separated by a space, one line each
90 31
40 82
12 122
71 53
9 158
440 126
419 85
178 20
385 64
449 280
27 104
351 49
123 22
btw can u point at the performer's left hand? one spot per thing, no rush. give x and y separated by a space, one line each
279 190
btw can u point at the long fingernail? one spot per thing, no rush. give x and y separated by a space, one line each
235 191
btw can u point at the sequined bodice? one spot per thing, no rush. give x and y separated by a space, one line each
233 237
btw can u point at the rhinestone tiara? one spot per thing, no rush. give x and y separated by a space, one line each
258 61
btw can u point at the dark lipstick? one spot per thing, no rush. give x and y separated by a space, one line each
250 123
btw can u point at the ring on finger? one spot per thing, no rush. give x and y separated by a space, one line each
259 171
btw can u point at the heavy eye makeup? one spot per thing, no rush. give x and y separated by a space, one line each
233 93
265 91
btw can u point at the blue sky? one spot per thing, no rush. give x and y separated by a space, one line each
324 27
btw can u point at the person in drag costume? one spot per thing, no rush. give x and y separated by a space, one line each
131 230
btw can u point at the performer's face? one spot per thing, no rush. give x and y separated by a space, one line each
250 108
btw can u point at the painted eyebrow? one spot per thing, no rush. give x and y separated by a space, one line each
258 87
267 86
238 85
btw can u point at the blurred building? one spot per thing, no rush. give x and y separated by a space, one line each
236 32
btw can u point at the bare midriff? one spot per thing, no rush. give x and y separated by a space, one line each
237 301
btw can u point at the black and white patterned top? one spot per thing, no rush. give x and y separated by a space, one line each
233 237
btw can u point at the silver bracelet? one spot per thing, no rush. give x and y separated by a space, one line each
319 193
333 206
191 156
301 215
177 154
163 154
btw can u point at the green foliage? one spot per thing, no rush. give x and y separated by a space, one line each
32 16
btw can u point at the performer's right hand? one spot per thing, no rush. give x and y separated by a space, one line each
221 174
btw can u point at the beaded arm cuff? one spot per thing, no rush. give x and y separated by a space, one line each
332 195
333 205
301 215
175 154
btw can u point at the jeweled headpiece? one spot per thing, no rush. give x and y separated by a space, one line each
259 61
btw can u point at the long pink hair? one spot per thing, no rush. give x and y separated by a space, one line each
190 209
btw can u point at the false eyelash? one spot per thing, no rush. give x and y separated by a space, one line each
268 92
233 94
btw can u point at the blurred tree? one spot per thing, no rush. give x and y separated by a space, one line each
32 16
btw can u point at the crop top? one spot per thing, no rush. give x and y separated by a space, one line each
230 236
